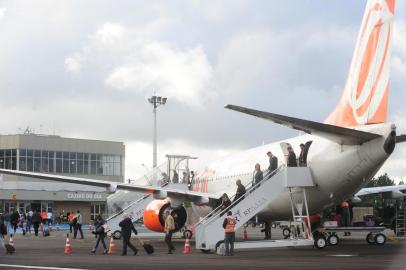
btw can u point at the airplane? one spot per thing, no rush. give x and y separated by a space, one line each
343 153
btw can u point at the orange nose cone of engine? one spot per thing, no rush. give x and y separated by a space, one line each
151 215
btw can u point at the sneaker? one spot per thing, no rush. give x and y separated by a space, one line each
93 251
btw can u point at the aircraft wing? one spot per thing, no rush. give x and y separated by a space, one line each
110 186
396 191
340 135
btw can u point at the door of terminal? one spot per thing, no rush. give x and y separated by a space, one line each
36 206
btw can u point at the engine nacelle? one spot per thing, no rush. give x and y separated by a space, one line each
157 211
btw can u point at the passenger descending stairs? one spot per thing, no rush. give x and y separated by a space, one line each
210 232
401 219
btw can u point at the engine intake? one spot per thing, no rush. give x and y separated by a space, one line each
158 210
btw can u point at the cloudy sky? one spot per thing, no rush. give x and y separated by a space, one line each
86 68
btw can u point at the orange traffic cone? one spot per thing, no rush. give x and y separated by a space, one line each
57 227
187 249
112 247
11 241
245 234
68 249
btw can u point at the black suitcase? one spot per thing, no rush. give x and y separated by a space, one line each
9 249
149 249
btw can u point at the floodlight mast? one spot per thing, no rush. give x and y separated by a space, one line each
156 101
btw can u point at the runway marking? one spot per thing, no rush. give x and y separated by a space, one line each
341 255
37 267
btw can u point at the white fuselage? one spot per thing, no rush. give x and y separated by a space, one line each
338 171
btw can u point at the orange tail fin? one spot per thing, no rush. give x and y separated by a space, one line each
365 96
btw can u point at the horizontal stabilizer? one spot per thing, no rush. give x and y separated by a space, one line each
340 135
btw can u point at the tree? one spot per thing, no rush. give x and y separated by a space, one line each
381 181
376 200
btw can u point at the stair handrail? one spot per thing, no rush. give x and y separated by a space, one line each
131 204
249 188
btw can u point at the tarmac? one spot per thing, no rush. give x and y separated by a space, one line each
352 253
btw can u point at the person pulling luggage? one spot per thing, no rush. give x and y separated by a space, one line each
127 227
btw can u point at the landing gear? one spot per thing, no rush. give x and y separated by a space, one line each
333 240
116 235
380 239
370 239
320 242
286 233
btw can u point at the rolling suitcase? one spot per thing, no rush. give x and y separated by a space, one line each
149 249
45 233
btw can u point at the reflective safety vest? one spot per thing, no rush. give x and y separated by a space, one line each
230 227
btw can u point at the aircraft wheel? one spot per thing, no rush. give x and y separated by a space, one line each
320 242
286 233
370 239
116 235
380 239
333 240
187 234
218 247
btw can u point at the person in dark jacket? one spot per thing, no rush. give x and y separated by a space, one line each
240 190
302 156
99 231
15 219
36 220
3 231
258 175
225 202
273 162
291 162
126 227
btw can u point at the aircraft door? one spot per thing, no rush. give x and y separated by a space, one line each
284 146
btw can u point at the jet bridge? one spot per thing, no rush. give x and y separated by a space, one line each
294 180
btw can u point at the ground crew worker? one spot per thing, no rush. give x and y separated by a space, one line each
169 229
346 217
229 237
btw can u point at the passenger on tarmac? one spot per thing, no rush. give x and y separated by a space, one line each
258 175
7 220
49 218
229 230
15 219
44 217
240 190
29 221
127 227
346 217
273 162
169 229
267 230
99 232
291 160
302 156
3 231
78 226
36 221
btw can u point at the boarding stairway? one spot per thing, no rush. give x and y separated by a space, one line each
135 211
292 180
401 219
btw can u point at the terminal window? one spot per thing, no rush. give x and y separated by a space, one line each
8 159
68 162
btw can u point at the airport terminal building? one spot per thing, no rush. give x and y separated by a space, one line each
95 159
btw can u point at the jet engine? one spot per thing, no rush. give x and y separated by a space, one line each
157 211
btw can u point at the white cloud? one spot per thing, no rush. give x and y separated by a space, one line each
141 64
2 12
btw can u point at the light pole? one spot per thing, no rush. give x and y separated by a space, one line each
156 101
